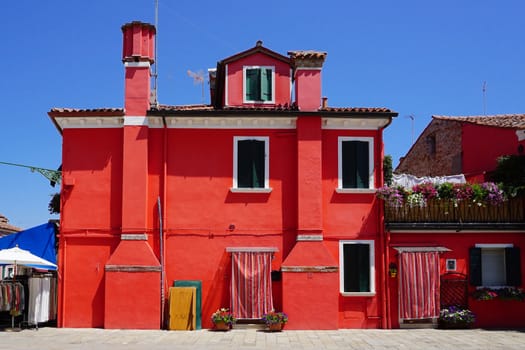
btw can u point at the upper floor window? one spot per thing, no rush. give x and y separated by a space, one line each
356 266
259 84
495 265
356 163
251 165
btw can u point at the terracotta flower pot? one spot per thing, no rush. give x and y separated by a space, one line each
222 326
275 327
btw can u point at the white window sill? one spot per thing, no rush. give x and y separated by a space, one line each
356 190
358 294
250 190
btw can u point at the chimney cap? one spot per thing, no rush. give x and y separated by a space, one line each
259 43
139 23
307 58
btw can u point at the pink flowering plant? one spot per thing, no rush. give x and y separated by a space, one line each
487 193
223 315
506 293
273 317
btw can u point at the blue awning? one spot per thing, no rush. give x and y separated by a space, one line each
39 240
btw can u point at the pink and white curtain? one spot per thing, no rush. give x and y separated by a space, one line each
419 285
251 287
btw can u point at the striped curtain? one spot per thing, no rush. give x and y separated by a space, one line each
251 288
419 285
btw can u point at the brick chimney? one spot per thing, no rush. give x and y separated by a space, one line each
307 74
138 54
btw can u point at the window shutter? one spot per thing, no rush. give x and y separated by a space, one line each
475 266
266 84
356 268
349 166
250 164
513 266
362 176
243 164
355 165
253 84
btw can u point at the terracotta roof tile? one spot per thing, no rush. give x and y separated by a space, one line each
5 227
516 121
100 111
357 109
307 54
268 108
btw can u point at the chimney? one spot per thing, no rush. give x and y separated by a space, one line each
307 74
138 54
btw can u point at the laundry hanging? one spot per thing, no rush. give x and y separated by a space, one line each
251 284
419 285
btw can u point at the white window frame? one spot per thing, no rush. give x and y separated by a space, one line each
371 188
492 246
371 245
244 68
266 188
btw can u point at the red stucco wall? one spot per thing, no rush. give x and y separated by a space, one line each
234 93
482 145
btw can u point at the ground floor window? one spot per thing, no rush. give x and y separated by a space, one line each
357 270
495 265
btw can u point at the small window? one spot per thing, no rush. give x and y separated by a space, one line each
258 84
357 271
493 265
356 163
250 167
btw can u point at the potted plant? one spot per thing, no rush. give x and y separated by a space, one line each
223 319
275 320
456 317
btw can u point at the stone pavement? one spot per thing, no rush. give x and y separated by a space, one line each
100 339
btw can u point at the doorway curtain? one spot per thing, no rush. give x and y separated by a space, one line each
251 284
419 285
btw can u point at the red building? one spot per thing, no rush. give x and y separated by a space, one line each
256 188
459 250
459 145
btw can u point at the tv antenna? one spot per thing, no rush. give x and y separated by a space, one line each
154 100
198 78
412 119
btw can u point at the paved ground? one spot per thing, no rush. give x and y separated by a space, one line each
99 339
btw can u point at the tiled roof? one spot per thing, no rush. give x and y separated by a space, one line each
358 109
5 227
516 121
268 108
103 111
306 54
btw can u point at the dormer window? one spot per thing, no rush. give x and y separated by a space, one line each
259 83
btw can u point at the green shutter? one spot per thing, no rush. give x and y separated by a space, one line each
250 164
362 161
355 164
513 266
356 276
266 84
475 266
253 84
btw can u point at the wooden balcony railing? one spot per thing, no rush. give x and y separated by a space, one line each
438 211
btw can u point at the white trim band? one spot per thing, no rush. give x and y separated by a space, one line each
135 121
140 64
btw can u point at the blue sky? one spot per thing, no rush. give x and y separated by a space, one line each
418 58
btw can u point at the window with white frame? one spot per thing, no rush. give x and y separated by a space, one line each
251 162
495 265
356 162
258 82
356 267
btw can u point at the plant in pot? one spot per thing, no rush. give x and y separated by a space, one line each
456 317
223 319
275 320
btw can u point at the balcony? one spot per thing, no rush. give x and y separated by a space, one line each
442 214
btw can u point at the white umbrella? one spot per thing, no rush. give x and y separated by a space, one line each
16 256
